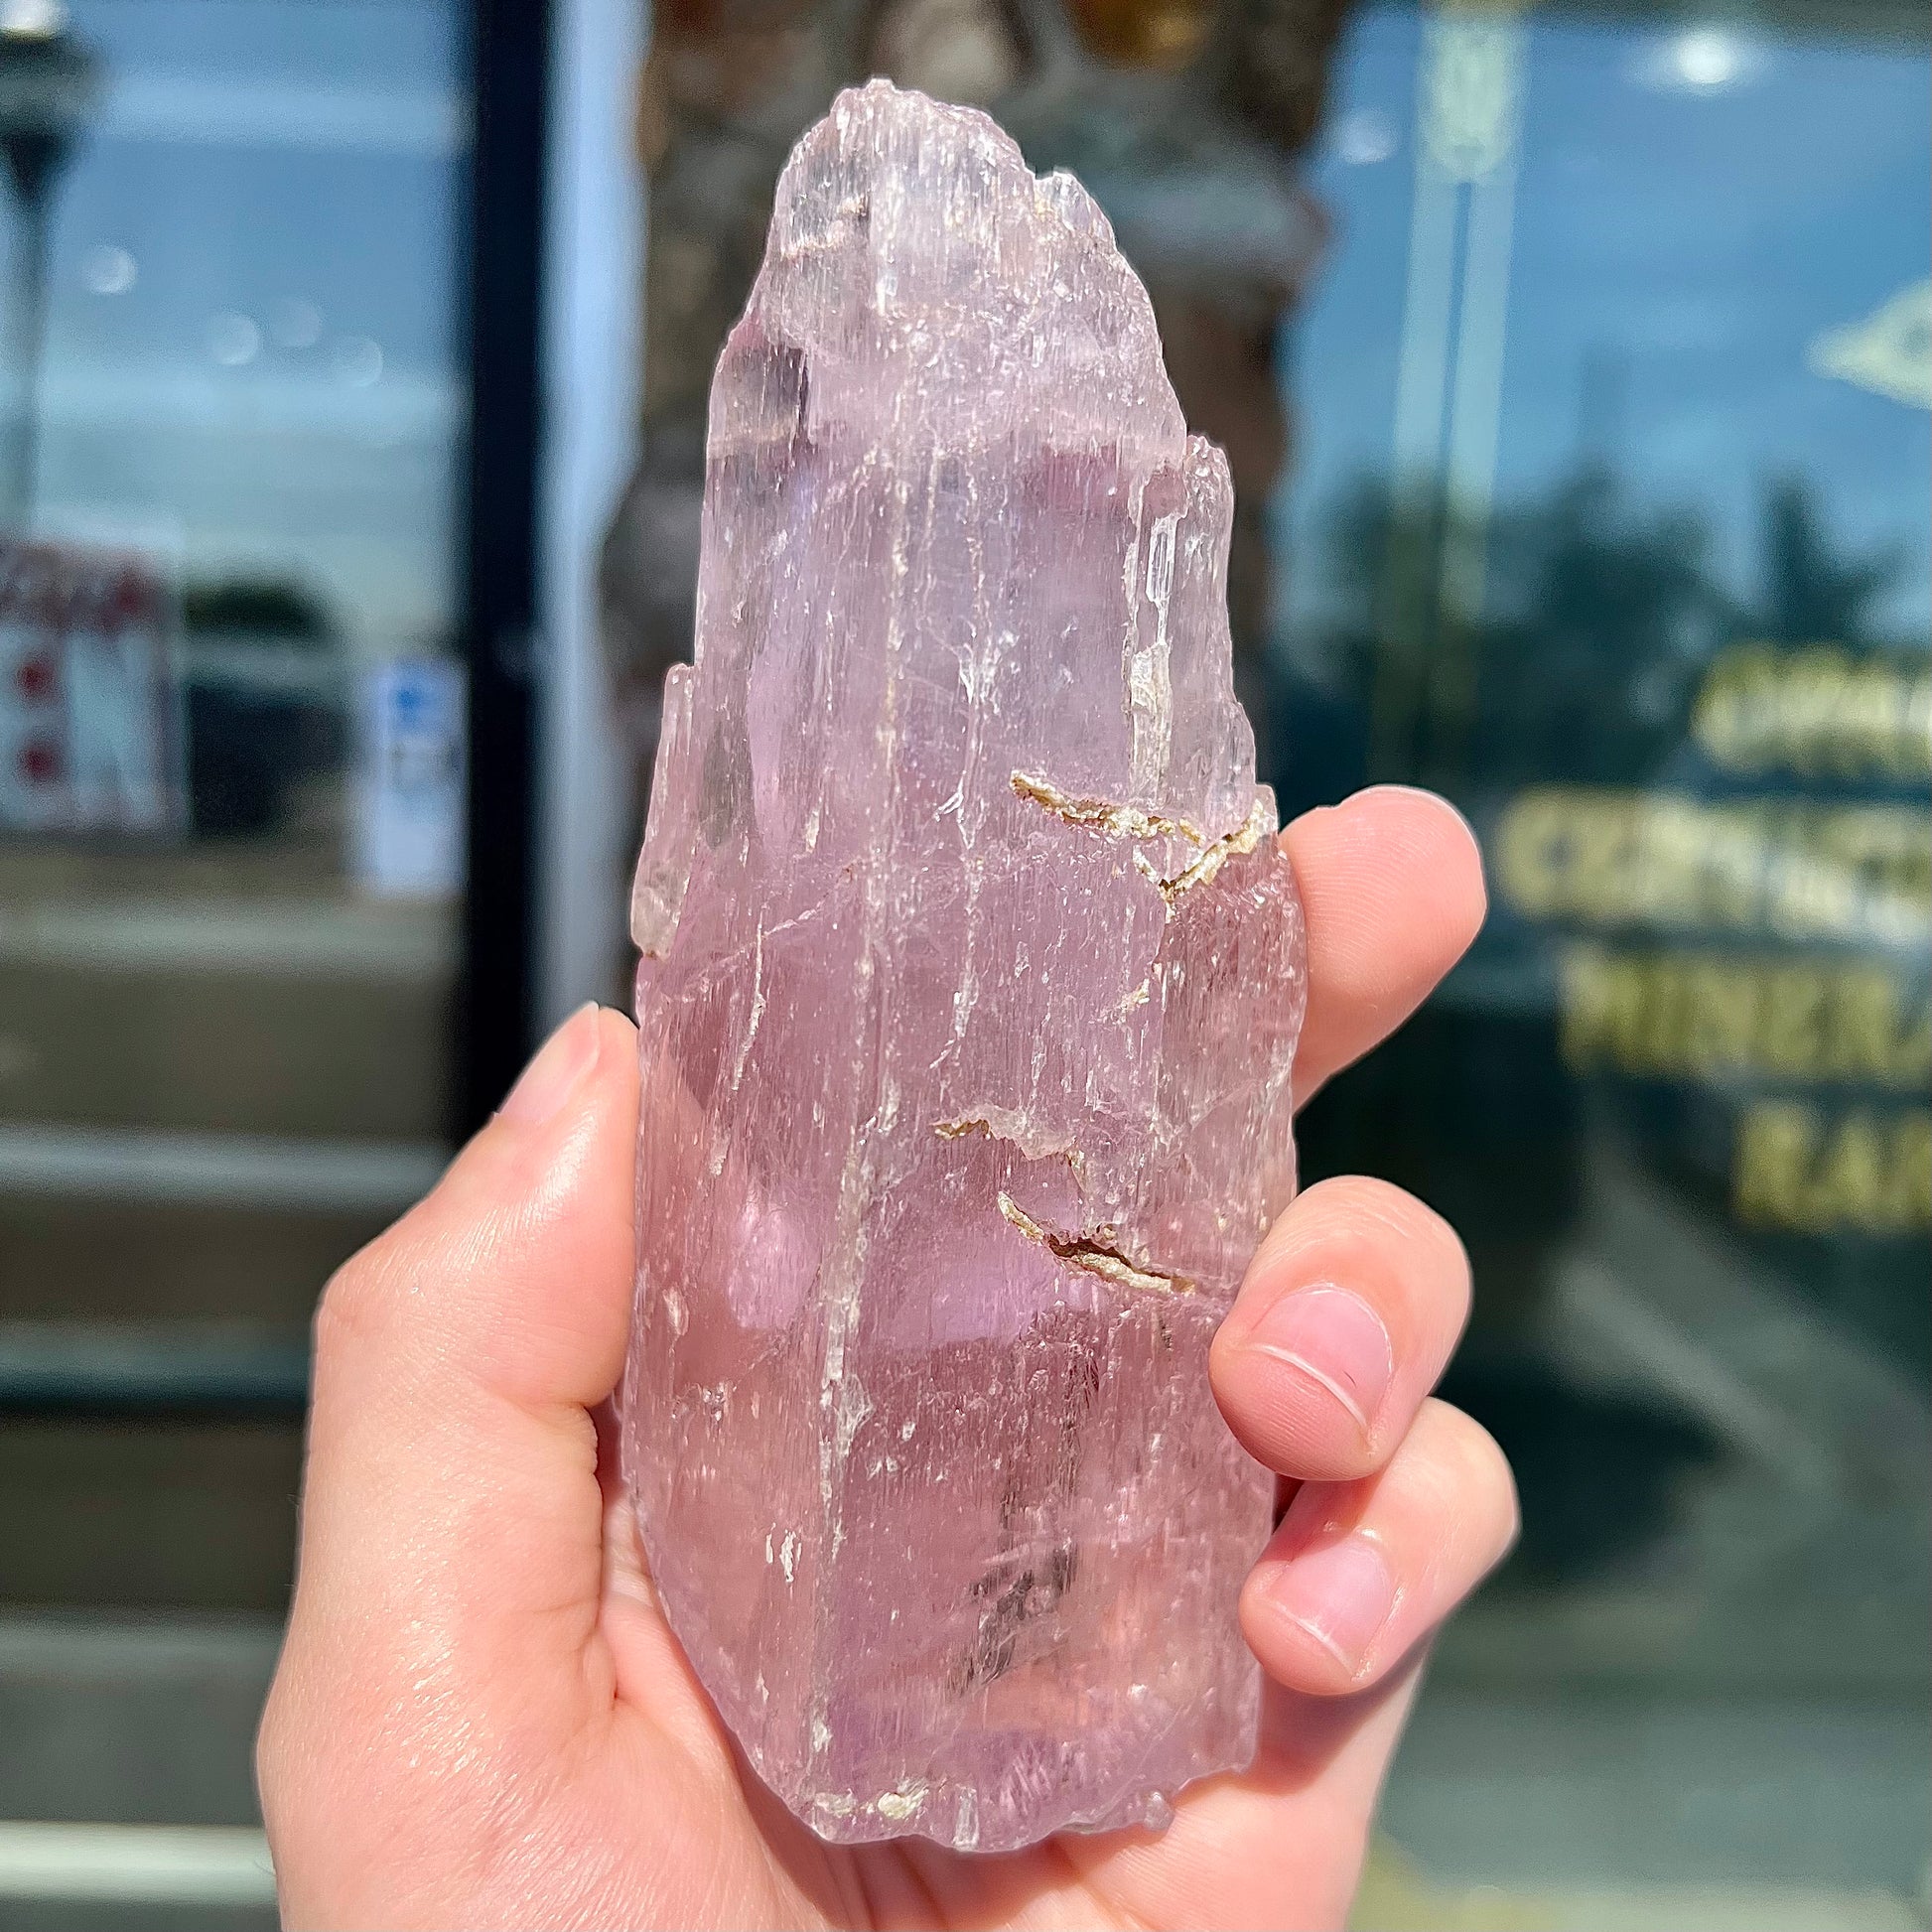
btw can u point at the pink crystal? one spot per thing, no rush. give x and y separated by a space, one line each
971 981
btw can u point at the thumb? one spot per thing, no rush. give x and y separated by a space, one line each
452 1522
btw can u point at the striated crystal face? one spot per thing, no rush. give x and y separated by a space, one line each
971 982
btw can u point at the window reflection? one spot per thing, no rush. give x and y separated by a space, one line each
1608 519
232 761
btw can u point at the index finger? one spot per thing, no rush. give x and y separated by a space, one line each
1392 887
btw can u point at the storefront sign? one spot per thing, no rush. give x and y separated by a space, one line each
90 721
406 830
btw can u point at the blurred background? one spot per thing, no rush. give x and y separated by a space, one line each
1575 363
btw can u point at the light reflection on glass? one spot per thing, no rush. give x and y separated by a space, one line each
109 270
234 338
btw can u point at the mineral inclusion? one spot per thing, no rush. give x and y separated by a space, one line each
970 985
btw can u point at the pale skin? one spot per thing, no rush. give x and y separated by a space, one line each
481 1720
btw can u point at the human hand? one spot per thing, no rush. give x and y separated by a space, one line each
481 1718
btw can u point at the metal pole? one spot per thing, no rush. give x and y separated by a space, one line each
30 341
49 80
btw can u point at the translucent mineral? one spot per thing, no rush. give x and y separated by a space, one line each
970 985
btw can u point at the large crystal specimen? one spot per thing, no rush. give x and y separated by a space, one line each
971 981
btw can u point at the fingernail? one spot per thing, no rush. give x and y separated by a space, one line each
1341 1594
561 1062
1337 1340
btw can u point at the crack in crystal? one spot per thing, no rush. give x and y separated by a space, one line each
1003 1124
1103 815
1094 1256
1202 870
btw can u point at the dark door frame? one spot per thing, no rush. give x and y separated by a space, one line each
496 1002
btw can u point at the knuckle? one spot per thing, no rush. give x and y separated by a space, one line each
353 1303
290 1756
340 1312
271 1754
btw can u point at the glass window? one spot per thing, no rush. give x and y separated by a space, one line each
1608 518
231 418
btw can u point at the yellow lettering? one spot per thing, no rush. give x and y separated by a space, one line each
1819 709
1775 1141
1714 1017
1862 1036
1728 720
1802 871
1908 1201
1587 885
1735 838
1850 1190
1602 1001
1867 1170
1534 852
1721 1006
1912 1059
1792 1032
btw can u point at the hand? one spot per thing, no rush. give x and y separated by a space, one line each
481 1718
